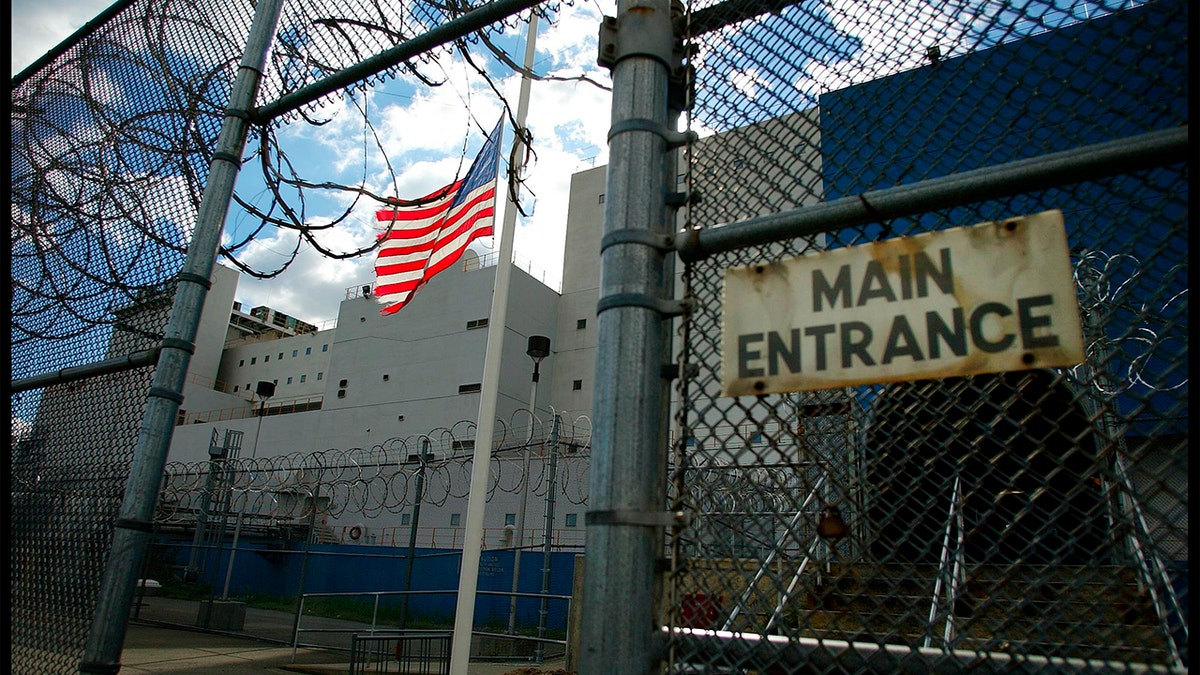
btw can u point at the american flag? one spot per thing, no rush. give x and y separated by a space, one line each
429 237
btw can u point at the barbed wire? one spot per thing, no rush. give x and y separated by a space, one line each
112 138
380 479
1111 284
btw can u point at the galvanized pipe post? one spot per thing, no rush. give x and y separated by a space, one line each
548 541
134 525
626 521
412 532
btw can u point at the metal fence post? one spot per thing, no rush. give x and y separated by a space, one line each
627 480
548 539
412 533
134 525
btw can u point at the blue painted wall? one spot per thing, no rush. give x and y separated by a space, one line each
274 570
1113 77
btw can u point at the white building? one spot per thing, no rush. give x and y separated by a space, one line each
358 388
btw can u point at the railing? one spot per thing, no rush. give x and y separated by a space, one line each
494 538
477 263
424 652
278 408
359 633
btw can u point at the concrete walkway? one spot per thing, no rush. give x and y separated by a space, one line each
162 638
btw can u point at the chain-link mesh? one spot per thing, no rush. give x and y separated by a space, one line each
1033 519
112 139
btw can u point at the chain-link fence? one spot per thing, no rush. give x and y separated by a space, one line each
252 536
1034 519
126 141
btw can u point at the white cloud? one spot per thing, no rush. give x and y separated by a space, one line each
429 136
38 27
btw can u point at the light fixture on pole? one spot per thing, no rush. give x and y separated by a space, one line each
538 349
265 389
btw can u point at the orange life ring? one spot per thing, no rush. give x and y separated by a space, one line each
355 533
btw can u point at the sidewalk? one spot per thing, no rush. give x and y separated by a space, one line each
161 640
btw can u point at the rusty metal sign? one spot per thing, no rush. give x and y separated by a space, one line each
992 297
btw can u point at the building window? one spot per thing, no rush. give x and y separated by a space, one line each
321 375
455 519
601 198
510 519
469 388
386 377
577 385
253 360
341 393
580 324
303 378
236 387
324 348
280 356
266 358
241 363
477 323
289 380
571 520
295 352
307 351
406 519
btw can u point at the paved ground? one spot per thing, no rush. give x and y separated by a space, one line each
162 638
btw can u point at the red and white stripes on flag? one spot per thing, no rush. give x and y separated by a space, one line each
426 239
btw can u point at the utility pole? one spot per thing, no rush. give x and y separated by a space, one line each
538 349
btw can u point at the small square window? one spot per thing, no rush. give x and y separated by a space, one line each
580 324
341 393
577 385
324 348
303 378
406 519
236 387
295 352
469 388
253 360
510 519
266 358
455 519
280 355
601 198
241 363
321 376
289 380
571 520
307 351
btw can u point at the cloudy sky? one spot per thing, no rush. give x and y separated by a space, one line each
312 286
427 133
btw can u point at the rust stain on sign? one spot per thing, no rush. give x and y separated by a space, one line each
992 297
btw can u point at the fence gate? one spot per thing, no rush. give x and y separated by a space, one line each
1027 516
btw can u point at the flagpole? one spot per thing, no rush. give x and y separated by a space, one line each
468 578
